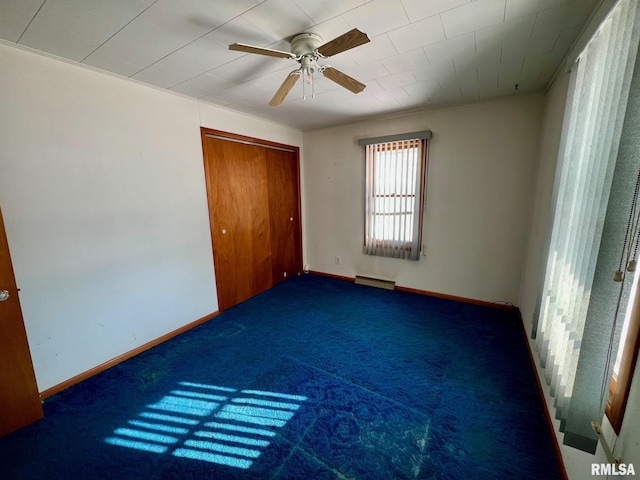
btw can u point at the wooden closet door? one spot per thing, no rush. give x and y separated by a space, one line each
239 216
20 402
284 212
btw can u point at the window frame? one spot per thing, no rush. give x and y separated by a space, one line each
382 144
621 383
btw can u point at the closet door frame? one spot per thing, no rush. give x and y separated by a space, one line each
233 137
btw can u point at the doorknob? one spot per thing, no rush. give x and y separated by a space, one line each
4 295
224 231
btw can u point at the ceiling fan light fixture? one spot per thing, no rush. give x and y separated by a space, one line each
308 67
308 76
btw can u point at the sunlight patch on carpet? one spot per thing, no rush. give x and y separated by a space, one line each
209 423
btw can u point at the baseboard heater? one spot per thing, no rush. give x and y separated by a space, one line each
375 282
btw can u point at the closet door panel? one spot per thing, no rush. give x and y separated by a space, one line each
239 216
284 212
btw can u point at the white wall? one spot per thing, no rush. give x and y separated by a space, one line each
104 199
578 464
481 164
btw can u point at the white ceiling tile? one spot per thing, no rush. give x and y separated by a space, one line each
90 19
243 107
111 64
533 64
473 16
200 56
397 80
567 38
279 18
378 48
161 75
337 95
512 31
153 35
249 89
372 88
200 86
238 30
450 94
522 79
377 17
442 70
419 9
488 89
15 15
165 27
534 45
424 32
520 8
422 89
125 10
469 93
183 45
327 9
488 73
469 60
561 17
451 48
412 60
397 93
368 71
57 40
467 77
223 97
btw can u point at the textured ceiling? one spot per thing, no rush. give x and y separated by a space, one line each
422 52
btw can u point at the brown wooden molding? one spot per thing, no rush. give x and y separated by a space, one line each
244 138
501 306
473 301
125 356
621 384
331 275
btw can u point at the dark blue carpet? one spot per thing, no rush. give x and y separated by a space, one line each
315 379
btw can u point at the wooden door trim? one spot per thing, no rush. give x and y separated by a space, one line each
222 135
249 140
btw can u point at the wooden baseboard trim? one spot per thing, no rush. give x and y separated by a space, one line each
331 275
125 356
501 306
455 298
552 433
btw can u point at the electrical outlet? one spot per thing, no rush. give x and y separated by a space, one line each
338 260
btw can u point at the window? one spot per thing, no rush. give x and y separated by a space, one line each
625 362
581 303
394 194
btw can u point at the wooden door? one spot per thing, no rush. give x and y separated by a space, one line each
20 402
239 216
284 213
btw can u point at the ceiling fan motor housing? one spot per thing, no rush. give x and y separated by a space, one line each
305 43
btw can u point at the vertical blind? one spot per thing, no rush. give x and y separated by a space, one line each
394 195
579 304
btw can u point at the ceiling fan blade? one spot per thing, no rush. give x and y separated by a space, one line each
351 39
241 47
343 79
285 88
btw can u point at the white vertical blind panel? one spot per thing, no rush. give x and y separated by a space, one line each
585 170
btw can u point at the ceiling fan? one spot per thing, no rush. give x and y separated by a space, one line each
307 49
